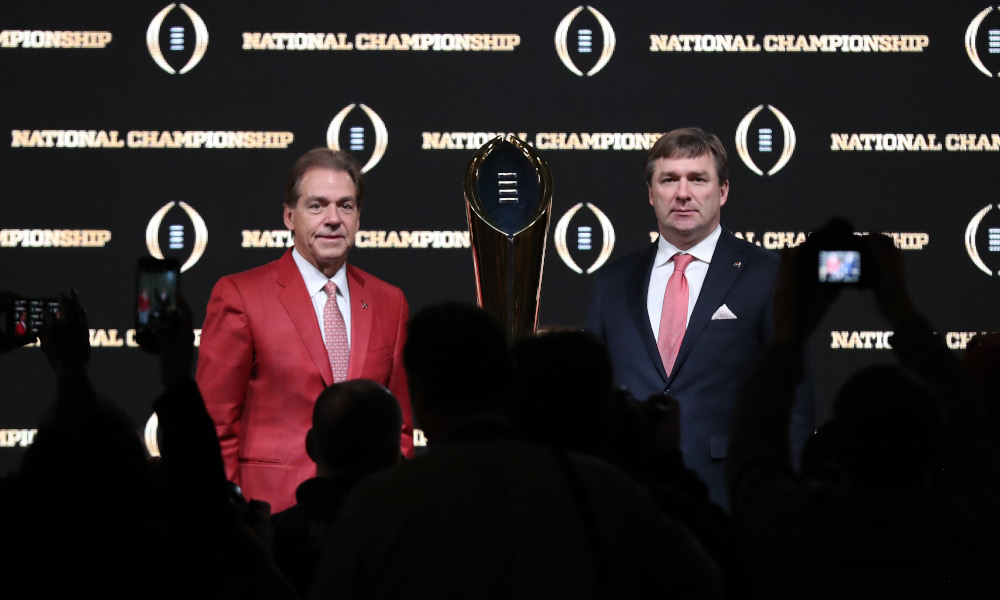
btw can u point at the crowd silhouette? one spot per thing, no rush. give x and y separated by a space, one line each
541 480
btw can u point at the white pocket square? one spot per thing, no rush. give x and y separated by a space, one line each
723 313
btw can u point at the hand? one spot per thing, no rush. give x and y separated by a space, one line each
799 303
667 429
255 517
176 346
66 338
892 296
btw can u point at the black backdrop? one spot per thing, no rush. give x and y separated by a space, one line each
916 74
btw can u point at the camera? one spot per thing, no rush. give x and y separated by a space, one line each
835 256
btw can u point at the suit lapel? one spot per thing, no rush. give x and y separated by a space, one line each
361 322
722 274
294 297
637 291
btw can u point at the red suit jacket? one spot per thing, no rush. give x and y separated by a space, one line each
262 364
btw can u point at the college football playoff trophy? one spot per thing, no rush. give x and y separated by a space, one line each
508 198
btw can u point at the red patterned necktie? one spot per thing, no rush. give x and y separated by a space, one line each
673 319
335 334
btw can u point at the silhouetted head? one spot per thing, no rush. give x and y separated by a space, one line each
96 450
563 391
982 359
457 361
888 429
355 429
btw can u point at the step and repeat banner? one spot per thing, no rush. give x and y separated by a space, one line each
130 129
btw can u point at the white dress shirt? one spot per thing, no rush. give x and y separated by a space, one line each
663 267
315 282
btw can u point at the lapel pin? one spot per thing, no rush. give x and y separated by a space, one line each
364 304
737 264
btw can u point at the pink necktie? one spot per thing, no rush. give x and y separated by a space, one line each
335 334
673 319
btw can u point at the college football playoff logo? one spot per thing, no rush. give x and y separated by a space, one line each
581 42
151 435
183 37
580 243
759 145
183 236
348 131
978 237
976 41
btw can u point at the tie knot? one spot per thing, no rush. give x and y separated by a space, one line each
681 261
330 288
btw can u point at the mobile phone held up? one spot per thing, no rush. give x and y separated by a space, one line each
26 318
157 285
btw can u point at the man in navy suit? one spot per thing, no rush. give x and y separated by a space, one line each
728 303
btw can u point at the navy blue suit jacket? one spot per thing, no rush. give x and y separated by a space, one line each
715 357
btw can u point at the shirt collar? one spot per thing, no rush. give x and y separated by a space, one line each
702 251
315 280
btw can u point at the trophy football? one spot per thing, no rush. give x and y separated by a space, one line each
508 198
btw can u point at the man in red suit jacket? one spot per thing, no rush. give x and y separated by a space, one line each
262 360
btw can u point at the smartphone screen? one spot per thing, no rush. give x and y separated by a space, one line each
27 316
839 266
157 284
